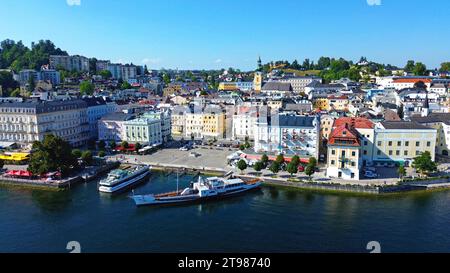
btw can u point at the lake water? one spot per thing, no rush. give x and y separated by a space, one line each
269 220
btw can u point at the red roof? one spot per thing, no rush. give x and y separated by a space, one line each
344 135
358 123
333 97
412 80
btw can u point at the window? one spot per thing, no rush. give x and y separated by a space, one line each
390 143
390 152
417 143
397 153
378 152
379 143
405 153
332 162
399 143
353 153
406 143
428 143
417 152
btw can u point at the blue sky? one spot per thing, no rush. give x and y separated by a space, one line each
205 34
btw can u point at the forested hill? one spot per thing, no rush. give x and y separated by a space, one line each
17 56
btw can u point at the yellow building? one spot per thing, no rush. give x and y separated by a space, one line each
178 123
257 82
207 125
326 125
228 86
401 141
321 104
338 103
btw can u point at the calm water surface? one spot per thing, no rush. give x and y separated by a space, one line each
270 220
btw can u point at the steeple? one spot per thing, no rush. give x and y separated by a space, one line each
426 106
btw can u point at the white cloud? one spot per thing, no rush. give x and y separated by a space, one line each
151 61
73 2
218 61
374 2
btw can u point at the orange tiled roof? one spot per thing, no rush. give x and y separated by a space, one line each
413 80
344 135
358 123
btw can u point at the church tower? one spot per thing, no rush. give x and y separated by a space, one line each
257 82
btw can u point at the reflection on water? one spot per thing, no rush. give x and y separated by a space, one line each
279 219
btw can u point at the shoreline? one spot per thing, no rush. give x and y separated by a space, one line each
328 188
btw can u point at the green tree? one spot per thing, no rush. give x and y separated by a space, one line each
410 65
101 145
420 69
2 163
312 162
445 67
15 93
51 155
87 157
424 164
295 160
275 167
242 165
7 82
166 78
86 88
102 154
258 166
76 153
106 74
292 168
124 145
401 172
137 147
309 171
31 84
112 144
125 85
265 159
279 159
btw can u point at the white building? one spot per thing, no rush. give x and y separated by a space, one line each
299 83
97 108
69 63
166 123
244 122
289 134
111 127
29 121
146 131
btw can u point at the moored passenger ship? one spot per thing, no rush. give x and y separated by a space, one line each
121 179
205 188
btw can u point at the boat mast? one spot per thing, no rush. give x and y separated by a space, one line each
177 180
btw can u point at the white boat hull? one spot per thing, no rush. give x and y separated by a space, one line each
149 200
125 184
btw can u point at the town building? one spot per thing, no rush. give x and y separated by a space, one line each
244 121
277 89
401 141
344 148
166 122
97 107
146 131
69 63
208 124
29 121
440 122
111 127
289 134
299 84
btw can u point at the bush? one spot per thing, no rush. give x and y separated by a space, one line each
86 156
76 153
102 154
